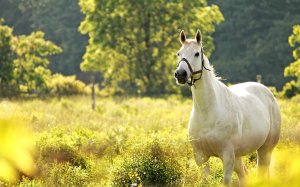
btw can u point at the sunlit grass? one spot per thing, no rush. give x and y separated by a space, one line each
284 169
69 136
290 110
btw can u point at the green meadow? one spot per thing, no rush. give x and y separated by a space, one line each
132 141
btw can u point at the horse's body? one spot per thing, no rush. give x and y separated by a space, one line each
230 122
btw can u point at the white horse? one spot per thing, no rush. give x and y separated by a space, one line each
227 122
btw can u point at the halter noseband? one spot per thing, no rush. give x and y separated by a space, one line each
193 80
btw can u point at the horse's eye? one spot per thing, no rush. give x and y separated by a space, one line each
177 54
197 54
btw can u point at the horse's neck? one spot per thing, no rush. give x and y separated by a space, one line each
206 92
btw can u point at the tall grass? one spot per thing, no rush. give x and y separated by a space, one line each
90 148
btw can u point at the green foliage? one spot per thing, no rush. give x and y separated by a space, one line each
57 146
68 175
132 43
30 65
60 85
60 160
6 58
248 43
253 40
292 88
23 62
59 19
294 68
99 58
30 183
294 40
152 167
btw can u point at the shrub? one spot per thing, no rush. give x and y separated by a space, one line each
291 89
30 183
60 85
68 175
148 167
60 147
63 153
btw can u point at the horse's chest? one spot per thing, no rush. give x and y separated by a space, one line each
209 139
207 144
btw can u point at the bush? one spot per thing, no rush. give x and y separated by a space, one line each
60 147
60 85
291 89
68 175
148 167
63 153
30 183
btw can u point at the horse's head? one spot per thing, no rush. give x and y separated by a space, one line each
190 59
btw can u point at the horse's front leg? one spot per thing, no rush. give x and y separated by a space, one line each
228 159
201 160
241 170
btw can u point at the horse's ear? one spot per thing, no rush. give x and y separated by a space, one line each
198 36
182 37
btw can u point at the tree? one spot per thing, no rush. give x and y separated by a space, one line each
11 11
252 40
293 70
59 19
23 62
6 57
30 65
133 43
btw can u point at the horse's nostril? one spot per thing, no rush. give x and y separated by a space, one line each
180 74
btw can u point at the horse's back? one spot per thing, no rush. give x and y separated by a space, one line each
256 95
255 92
253 88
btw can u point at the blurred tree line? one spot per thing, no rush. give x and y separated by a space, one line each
133 43
59 19
253 39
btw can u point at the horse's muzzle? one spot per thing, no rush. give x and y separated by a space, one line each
181 76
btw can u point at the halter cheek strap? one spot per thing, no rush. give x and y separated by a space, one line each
193 80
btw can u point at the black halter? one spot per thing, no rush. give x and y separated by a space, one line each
193 80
